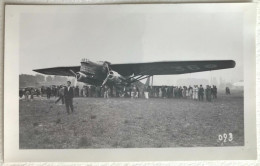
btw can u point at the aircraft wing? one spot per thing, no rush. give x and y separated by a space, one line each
60 71
171 67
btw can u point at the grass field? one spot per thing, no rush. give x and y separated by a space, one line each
131 123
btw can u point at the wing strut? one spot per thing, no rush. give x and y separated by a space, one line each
140 78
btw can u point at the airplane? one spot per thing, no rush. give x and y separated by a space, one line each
103 73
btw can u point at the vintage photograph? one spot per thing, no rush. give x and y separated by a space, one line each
113 78
130 77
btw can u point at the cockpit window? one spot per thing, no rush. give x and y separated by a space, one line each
85 60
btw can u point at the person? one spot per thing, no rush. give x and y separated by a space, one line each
163 92
160 92
68 96
208 93
184 92
98 91
86 91
134 93
175 92
190 92
201 93
138 92
61 95
21 92
170 91
157 92
38 93
42 90
149 90
187 92
195 92
54 91
214 92
81 92
106 92
227 91
32 93
180 92
90 91
27 94
48 92
146 92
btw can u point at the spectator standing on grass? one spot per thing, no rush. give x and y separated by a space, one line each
180 92
227 91
175 90
54 90
21 93
163 91
106 92
81 92
86 91
187 92
37 91
184 92
42 90
214 92
27 94
32 93
160 92
166 92
149 90
195 92
146 92
190 92
98 91
68 96
138 92
208 93
156 91
201 93
48 92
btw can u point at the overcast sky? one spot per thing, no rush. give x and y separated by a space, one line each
119 35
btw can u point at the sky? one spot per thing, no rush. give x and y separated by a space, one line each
123 35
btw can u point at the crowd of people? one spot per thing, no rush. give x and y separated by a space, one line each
196 92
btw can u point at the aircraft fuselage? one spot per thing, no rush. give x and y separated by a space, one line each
94 73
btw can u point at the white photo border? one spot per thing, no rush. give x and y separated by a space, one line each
11 104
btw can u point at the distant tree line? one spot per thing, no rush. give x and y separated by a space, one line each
26 80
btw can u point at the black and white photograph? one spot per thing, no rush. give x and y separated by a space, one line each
133 76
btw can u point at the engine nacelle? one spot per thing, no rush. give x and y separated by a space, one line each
114 77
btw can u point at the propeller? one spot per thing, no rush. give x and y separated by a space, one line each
73 73
108 74
76 80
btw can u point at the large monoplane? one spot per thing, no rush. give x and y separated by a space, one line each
104 73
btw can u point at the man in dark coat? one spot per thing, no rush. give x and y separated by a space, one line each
201 93
208 93
48 92
214 92
68 95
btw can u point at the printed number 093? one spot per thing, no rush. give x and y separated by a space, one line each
225 137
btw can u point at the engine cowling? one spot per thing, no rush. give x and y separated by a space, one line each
114 77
